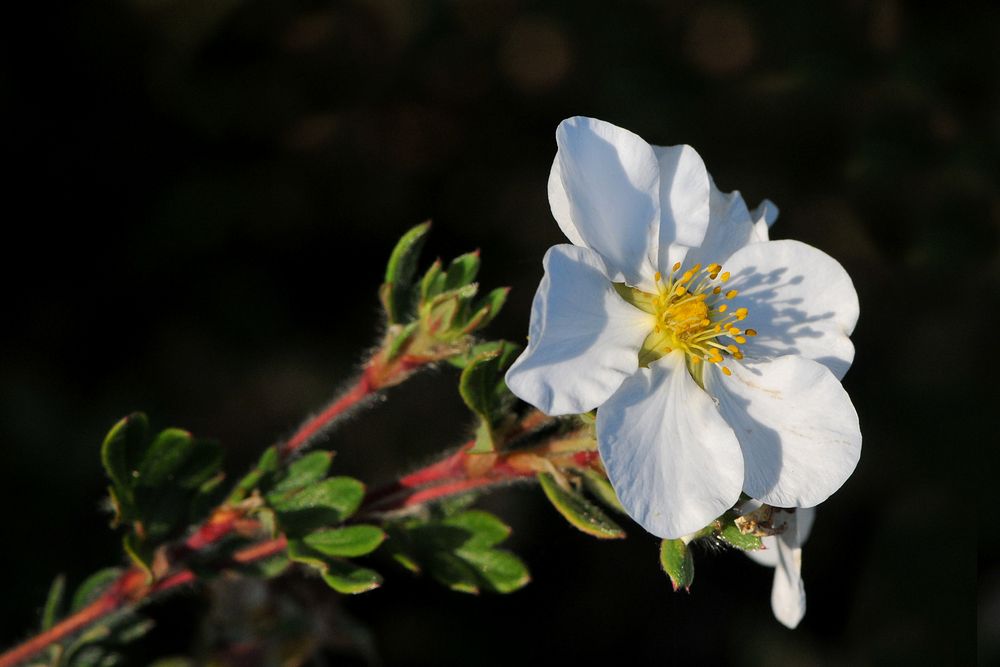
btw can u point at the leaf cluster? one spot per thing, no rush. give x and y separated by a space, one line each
101 644
459 550
160 484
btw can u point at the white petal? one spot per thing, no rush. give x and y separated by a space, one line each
801 301
604 193
768 554
729 228
788 593
672 460
796 425
684 202
584 339
766 211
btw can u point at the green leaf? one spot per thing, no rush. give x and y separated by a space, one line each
452 571
340 575
202 463
350 541
53 602
485 392
579 511
348 578
325 503
401 339
676 559
731 535
500 570
165 456
599 487
484 530
462 270
123 448
267 464
433 281
93 587
208 497
489 306
302 472
268 568
140 552
397 292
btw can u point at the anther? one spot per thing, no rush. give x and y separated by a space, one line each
677 266
726 371
725 276
751 332
731 294
740 339
723 308
657 276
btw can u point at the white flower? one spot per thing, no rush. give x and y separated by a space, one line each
640 319
783 552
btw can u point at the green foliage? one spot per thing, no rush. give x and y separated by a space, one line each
340 575
351 541
100 644
397 291
324 503
459 551
484 391
159 484
433 314
579 511
677 562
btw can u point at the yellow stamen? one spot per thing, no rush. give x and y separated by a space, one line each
726 371
731 294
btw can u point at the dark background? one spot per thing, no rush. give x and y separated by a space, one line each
201 196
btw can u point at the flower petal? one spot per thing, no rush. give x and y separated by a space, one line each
796 425
766 211
800 301
604 193
730 227
684 202
768 554
672 460
788 592
584 339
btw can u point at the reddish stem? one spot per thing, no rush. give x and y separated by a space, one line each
131 588
313 427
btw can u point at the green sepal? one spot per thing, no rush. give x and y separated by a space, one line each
53 602
580 512
732 536
677 562
349 541
485 392
397 291
598 486
340 575
325 503
93 587
462 270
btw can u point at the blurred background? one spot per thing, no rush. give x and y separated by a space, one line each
201 197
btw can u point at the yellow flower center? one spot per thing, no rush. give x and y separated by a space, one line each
690 313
